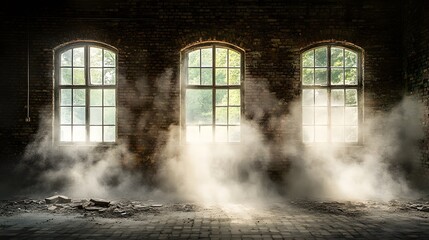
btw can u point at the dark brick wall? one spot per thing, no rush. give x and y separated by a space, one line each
416 61
149 36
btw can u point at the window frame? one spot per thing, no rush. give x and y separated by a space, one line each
184 86
87 86
359 87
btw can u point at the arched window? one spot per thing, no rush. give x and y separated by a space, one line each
85 93
331 94
212 93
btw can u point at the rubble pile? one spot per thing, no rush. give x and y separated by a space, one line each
134 209
91 207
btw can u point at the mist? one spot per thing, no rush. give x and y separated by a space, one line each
385 166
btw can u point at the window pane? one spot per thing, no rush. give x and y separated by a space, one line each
308 115
78 76
221 97
350 58
110 115
308 134
65 133
194 58
234 115
95 57
206 133
234 133
221 55
65 97
66 58
337 76
220 76
234 58
320 133
307 76
79 97
351 76
234 97
221 133
351 97
199 106
65 115
109 76
351 134
78 57
194 76
307 97
109 97
96 97
321 97
321 57
96 76
351 116
337 57
79 115
234 76
337 97
308 59
337 116
321 77
96 116
192 133
221 115
96 134
66 76
79 134
206 76
321 115
109 133
337 134
206 57
109 58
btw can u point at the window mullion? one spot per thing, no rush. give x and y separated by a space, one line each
213 92
72 91
87 92
227 99
329 94
102 95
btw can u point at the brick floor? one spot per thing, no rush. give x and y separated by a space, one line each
278 221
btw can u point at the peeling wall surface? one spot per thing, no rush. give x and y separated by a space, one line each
150 35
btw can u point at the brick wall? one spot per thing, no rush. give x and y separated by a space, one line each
149 36
416 61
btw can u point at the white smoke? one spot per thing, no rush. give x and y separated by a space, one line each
385 166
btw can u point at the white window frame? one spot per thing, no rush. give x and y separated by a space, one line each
213 87
87 87
329 87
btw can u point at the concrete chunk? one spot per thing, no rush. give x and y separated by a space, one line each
93 208
52 208
100 202
57 199
63 199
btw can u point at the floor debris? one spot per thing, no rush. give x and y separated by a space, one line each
57 199
135 209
